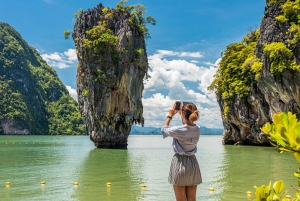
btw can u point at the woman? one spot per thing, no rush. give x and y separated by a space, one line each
184 171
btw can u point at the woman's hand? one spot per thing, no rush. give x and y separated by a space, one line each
172 112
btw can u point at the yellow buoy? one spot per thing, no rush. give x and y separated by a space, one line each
108 184
249 193
43 182
288 197
211 189
143 185
76 183
7 183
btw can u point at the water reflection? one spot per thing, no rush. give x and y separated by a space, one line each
246 166
28 160
100 167
211 159
61 161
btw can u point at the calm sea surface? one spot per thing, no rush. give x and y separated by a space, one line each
25 161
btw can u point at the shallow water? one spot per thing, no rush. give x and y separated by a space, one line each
25 161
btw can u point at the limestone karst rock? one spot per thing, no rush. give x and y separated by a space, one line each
112 66
270 90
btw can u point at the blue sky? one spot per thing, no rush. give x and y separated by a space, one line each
185 45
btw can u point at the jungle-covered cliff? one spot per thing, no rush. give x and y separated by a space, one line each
32 98
110 45
260 75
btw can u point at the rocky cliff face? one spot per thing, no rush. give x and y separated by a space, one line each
272 92
112 66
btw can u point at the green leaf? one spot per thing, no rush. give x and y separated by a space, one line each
277 119
278 187
275 198
267 128
297 156
297 132
292 119
278 140
284 119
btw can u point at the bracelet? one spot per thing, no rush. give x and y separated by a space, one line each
169 117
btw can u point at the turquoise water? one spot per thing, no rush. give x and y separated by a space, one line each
63 160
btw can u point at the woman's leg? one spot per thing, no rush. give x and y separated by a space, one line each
191 193
180 193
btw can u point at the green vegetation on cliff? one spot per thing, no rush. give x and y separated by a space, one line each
240 65
101 43
233 75
33 100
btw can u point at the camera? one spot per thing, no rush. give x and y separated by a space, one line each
179 103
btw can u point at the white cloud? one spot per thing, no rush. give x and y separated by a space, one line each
71 55
72 92
61 60
190 54
163 53
156 109
171 75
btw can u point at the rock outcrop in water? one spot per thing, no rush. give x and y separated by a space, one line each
112 66
268 77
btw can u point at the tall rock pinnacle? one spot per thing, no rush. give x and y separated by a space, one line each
113 63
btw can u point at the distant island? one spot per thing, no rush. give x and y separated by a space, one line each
138 130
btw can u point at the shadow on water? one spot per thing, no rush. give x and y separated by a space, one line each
246 166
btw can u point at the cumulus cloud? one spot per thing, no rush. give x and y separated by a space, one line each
182 80
72 92
177 74
156 109
61 60
164 53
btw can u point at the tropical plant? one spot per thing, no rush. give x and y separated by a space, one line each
284 133
266 193
76 15
67 34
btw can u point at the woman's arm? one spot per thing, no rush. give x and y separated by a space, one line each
169 117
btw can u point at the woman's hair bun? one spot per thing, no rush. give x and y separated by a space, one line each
190 112
194 116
